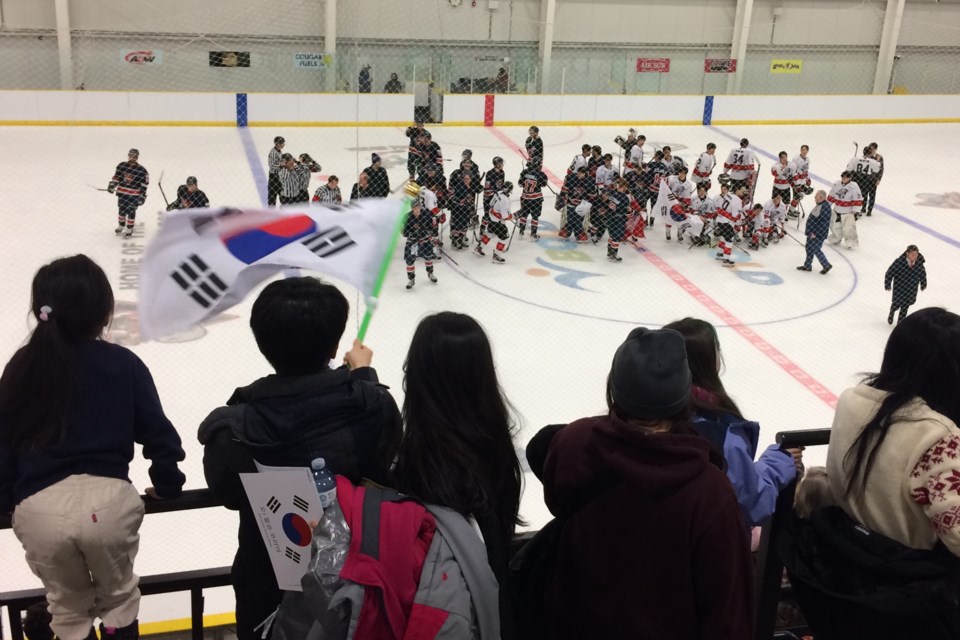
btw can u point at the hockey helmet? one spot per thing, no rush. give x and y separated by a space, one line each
497 160
724 180
467 154
507 188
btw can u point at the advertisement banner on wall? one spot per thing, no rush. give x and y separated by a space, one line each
142 57
786 66
229 58
720 65
312 60
653 65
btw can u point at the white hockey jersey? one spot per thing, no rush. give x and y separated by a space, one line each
606 176
801 170
500 208
704 167
634 159
673 192
864 166
775 213
845 198
428 201
578 161
674 164
783 175
705 207
740 164
729 209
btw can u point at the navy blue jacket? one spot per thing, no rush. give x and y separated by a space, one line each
818 221
115 406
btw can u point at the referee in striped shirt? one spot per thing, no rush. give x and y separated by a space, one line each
274 163
294 180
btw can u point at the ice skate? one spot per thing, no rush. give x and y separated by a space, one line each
430 276
410 282
119 229
497 259
582 238
564 234
533 235
727 262
668 232
478 251
128 232
613 256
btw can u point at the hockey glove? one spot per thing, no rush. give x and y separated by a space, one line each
112 187
886 288
172 206
141 200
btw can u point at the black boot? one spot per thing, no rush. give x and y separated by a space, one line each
129 632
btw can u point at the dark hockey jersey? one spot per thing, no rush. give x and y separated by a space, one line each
418 228
131 179
532 181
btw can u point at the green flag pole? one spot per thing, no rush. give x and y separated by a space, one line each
412 189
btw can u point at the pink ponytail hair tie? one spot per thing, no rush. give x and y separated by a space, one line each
45 312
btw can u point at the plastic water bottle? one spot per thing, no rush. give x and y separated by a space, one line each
326 484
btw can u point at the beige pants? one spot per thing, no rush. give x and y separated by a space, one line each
81 537
845 230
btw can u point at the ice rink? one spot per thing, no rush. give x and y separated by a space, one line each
792 341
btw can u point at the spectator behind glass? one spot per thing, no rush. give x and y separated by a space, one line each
71 408
894 454
393 85
306 410
653 544
457 449
718 418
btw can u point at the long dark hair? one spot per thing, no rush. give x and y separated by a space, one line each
921 360
72 302
457 445
705 360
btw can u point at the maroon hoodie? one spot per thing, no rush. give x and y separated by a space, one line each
654 546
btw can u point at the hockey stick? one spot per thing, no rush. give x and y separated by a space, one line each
794 238
162 194
97 188
756 179
516 221
856 149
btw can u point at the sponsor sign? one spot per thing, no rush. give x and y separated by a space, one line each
786 66
312 60
720 65
653 65
142 57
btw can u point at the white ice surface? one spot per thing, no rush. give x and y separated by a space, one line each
553 343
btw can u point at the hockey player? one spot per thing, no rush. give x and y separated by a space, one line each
532 181
418 231
673 163
430 204
873 194
705 212
378 178
600 210
414 156
430 152
754 225
618 209
577 190
703 169
650 178
801 180
729 220
361 188
847 200
865 171
189 196
580 160
595 161
534 145
432 178
634 157
606 173
129 182
467 165
499 215
740 165
492 184
463 206
783 173
274 162
329 193
673 200
775 216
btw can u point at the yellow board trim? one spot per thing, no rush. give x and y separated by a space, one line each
184 624
853 121
282 123
597 123
115 123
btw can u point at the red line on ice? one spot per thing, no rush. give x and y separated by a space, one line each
775 355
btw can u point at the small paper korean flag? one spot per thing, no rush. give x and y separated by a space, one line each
204 261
